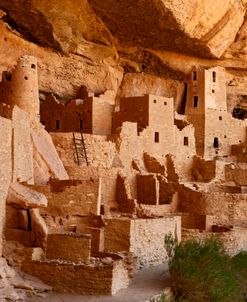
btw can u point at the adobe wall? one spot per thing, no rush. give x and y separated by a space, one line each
198 121
133 109
221 124
234 240
215 88
227 208
101 153
94 279
68 246
76 115
131 146
91 115
69 200
5 169
101 117
143 237
148 237
195 87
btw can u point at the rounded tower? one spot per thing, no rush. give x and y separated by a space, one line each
24 91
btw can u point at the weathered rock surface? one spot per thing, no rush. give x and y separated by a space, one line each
18 287
25 197
207 26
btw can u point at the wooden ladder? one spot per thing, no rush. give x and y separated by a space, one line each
80 149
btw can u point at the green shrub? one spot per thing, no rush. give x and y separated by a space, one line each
203 272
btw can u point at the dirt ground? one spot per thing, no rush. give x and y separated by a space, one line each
144 285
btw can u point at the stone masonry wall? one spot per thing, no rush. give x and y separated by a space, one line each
234 241
143 237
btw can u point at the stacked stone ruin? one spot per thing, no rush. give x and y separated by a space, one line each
152 172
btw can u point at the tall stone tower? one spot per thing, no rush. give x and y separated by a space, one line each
20 87
206 94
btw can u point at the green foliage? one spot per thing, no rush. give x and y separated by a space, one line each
240 263
203 272
170 245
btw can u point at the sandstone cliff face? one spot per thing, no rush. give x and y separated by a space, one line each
204 28
119 45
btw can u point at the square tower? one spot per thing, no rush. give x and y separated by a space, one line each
206 94
206 90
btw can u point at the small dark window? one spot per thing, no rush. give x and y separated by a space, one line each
29 220
213 91
156 137
220 118
194 76
165 103
81 124
216 142
33 66
102 209
26 78
195 101
8 76
186 141
240 141
57 124
214 76
154 101
225 136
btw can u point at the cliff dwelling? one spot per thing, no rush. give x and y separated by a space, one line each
110 143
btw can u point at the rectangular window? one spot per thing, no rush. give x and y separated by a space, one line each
216 142
194 76
195 101
156 137
57 124
214 76
186 141
81 124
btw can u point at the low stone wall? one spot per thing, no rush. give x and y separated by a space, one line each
143 237
67 198
68 246
227 208
234 240
97 279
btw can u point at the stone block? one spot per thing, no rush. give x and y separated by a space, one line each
68 246
24 197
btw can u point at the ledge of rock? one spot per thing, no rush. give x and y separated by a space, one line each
25 197
197 27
